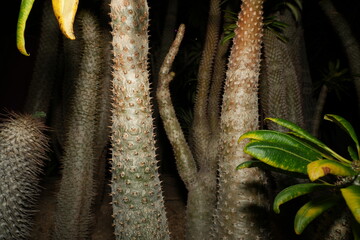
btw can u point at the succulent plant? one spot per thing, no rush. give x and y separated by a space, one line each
138 206
22 151
76 193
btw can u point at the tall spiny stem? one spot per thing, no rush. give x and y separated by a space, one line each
76 193
240 194
200 128
138 206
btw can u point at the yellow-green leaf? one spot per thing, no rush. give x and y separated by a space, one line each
351 195
283 138
312 210
320 168
65 11
298 131
25 9
278 155
295 191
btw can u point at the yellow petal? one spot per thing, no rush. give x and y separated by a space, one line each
65 11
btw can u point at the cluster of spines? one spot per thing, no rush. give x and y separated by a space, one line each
23 145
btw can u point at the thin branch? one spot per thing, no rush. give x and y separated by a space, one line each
217 86
184 158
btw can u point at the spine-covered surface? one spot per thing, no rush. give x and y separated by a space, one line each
138 206
76 193
22 151
241 192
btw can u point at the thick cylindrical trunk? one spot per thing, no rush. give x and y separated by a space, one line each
138 206
242 194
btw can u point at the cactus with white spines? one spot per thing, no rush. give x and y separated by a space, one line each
22 151
75 197
138 206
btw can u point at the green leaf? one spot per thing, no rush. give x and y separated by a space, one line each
345 125
298 130
262 165
278 155
282 138
25 9
351 195
248 164
295 191
301 133
320 168
353 154
312 210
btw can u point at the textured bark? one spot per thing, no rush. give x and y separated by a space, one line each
281 90
241 196
197 161
217 81
138 206
75 197
200 130
46 68
200 184
22 150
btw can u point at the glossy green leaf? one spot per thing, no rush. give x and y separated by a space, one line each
277 155
283 138
25 9
295 191
312 210
65 11
351 195
301 133
262 165
320 168
345 125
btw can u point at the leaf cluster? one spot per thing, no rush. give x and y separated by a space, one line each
298 152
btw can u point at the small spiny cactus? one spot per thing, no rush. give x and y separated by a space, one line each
22 151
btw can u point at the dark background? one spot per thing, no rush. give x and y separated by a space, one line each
322 45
